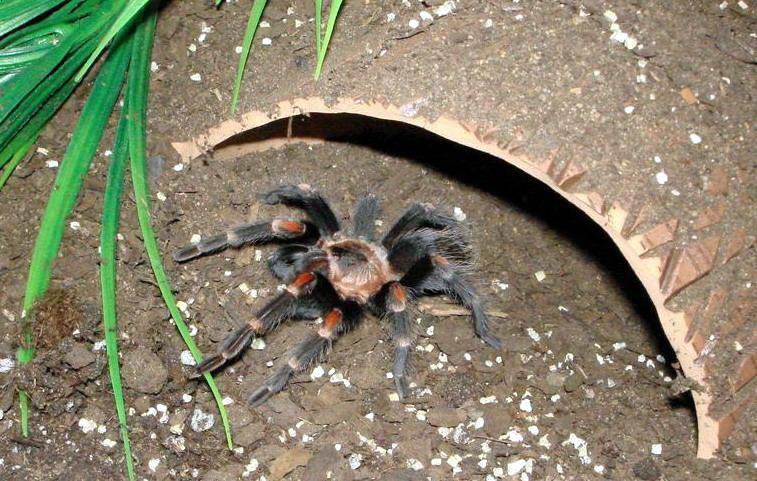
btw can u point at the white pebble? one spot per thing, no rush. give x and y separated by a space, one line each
195 77
201 421
75 225
525 405
153 464
445 9
51 163
414 23
178 167
656 449
108 443
661 177
426 16
266 41
187 359
540 276
458 214
154 67
695 139
488 400
87 425
318 372
515 467
610 16
355 460
258 344
6 364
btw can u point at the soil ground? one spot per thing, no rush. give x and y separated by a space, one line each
585 387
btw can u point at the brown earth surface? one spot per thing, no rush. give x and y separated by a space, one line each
586 386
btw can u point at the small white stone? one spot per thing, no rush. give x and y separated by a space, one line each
195 77
153 464
430 331
201 421
87 425
317 373
355 460
425 16
266 41
258 344
370 417
75 225
6 365
108 443
534 430
661 177
178 167
436 462
154 67
394 397
337 447
515 467
161 196
631 43
743 5
629 109
413 23
598 468
192 47
42 151
227 401
610 16
488 400
540 276
656 449
187 359
238 49
489 23
390 17
695 138
445 9
525 405
51 163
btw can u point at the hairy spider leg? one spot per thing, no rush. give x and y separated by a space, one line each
315 345
267 318
364 217
416 217
252 233
309 200
403 335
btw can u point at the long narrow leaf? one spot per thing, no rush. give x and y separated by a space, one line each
73 169
136 94
324 44
15 14
123 20
108 232
15 160
249 34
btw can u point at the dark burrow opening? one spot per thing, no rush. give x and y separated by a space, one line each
475 169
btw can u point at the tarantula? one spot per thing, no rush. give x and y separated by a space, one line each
336 275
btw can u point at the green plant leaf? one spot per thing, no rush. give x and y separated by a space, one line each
16 159
71 173
14 14
139 76
323 46
123 20
108 233
249 34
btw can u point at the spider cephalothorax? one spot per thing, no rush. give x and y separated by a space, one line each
337 275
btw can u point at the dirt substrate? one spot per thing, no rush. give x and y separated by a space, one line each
584 388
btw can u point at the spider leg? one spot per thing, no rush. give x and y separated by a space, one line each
252 233
267 318
364 218
308 199
455 283
402 335
315 345
414 218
